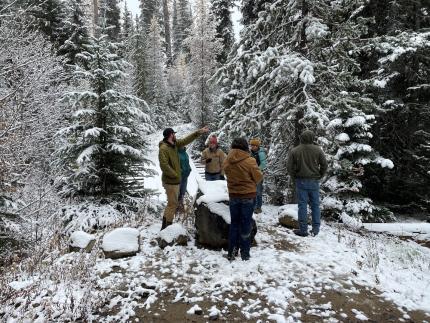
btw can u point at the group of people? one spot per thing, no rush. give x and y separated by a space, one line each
243 169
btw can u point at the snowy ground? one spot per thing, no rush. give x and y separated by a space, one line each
337 276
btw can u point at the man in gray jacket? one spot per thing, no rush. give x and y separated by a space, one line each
307 164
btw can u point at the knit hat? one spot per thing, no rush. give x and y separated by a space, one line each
240 143
213 140
255 142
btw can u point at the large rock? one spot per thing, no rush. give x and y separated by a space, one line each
173 234
81 241
288 216
121 242
213 225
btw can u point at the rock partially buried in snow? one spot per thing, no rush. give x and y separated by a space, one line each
288 216
121 242
213 225
214 313
173 234
195 310
81 241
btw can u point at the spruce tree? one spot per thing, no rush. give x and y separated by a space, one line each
182 24
156 91
295 69
221 12
204 48
109 18
105 142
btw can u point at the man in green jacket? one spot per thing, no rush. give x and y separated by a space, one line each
171 168
307 164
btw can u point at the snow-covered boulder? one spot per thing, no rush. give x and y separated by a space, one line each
121 242
213 224
212 215
81 241
288 216
173 234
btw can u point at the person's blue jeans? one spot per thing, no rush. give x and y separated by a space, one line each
212 177
308 191
259 197
182 188
241 210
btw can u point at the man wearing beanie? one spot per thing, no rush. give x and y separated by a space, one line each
213 158
260 156
307 164
243 175
171 169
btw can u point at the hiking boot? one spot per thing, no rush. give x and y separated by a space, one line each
163 224
258 210
300 233
233 254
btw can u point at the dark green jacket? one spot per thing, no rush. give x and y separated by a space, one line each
307 160
185 162
169 159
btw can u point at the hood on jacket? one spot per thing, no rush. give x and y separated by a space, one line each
165 142
307 137
236 155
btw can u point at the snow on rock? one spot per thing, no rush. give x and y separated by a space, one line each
174 233
121 242
213 191
196 309
220 209
352 223
214 313
80 240
288 216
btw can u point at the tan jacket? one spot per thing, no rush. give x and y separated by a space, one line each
217 160
242 173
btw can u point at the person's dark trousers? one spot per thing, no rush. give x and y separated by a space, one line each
241 210
259 197
308 190
182 188
212 177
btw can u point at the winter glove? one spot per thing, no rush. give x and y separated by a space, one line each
208 160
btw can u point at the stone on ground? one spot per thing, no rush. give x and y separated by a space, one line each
81 241
173 234
121 242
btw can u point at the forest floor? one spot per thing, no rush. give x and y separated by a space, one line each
337 276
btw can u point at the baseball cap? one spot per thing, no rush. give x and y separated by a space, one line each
167 132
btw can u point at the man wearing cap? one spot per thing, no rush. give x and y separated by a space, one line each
171 168
213 158
260 156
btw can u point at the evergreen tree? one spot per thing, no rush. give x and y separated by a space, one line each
204 48
105 140
156 91
109 18
182 23
296 69
221 12
127 29
148 10
76 29
396 69
167 33
139 59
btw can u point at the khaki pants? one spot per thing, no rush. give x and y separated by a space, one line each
172 192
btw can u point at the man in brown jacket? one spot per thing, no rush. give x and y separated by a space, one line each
213 158
171 169
243 175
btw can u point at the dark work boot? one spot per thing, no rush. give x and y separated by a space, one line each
163 224
168 223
